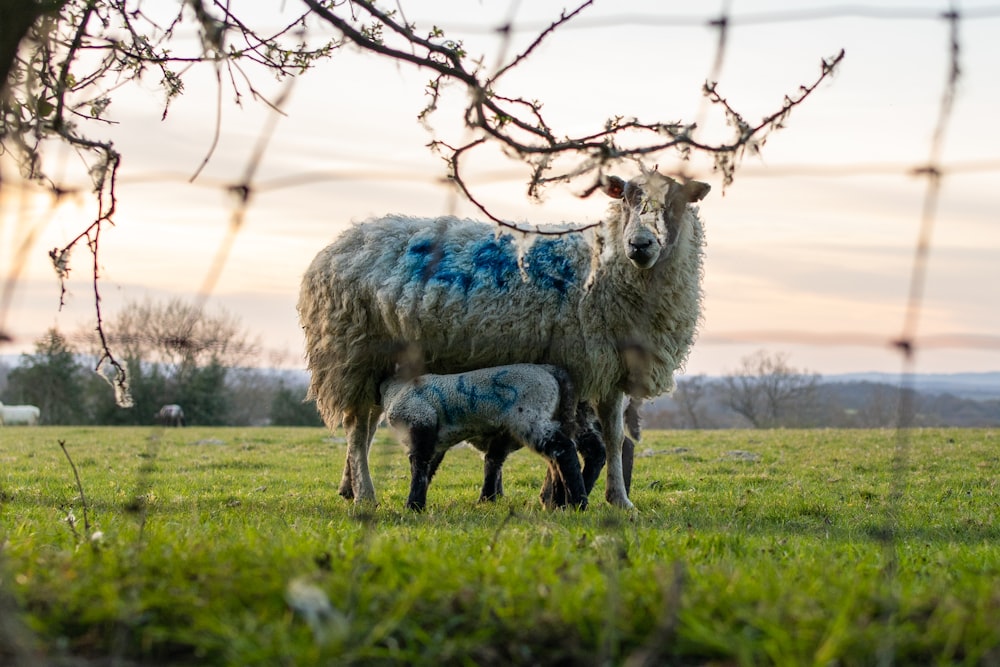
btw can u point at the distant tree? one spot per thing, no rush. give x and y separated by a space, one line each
688 396
250 392
203 395
177 335
176 352
51 379
289 408
4 372
149 392
882 407
768 392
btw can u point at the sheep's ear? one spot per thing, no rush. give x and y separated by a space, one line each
695 190
613 187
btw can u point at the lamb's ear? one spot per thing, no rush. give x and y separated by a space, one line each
613 187
695 190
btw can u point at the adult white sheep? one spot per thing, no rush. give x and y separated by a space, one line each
530 404
19 415
616 306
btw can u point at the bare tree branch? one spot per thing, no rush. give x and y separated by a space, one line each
518 125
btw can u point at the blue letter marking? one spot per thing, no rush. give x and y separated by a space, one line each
490 263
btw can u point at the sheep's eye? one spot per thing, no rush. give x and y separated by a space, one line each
648 205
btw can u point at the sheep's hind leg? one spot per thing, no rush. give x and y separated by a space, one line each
360 429
346 488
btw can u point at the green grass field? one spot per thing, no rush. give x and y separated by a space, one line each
229 546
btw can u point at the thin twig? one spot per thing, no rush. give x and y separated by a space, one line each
79 486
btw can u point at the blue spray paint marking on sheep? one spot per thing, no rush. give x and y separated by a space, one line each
468 397
490 264
548 266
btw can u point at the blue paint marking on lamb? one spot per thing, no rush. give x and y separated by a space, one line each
500 393
490 263
468 397
442 400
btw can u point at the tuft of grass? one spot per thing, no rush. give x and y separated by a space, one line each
208 546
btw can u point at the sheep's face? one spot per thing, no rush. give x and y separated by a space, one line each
652 211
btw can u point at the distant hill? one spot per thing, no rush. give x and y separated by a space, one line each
977 386
850 400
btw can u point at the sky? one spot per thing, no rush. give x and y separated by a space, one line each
810 251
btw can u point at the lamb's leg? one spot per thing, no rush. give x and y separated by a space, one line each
423 444
561 449
553 492
591 448
497 446
360 428
609 412
435 464
590 445
492 480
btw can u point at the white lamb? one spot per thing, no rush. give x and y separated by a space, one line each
528 404
617 307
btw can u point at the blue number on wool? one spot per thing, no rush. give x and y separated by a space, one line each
500 393
489 263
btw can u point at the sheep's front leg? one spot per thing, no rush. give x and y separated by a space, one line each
360 429
628 458
609 411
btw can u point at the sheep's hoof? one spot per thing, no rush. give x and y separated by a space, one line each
346 488
366 500
619 500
